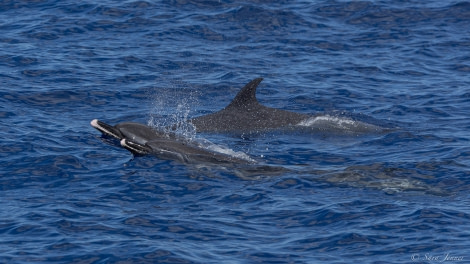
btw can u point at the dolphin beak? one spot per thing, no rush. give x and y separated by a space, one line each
106 129
135 148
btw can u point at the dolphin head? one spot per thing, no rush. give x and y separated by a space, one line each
138 133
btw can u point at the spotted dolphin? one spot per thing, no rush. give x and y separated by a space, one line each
141 139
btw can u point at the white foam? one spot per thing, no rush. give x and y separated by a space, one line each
340 122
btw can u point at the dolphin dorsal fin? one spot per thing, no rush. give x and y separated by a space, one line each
247 95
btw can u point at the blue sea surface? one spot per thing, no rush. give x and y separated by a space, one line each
69 196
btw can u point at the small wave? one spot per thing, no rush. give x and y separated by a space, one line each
341 122
338 124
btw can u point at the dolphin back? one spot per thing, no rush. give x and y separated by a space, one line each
245 114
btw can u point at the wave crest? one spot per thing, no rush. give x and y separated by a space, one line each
338 124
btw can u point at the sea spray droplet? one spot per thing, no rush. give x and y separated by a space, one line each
171 111
171 108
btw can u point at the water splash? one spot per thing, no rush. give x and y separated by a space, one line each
171 112
171 109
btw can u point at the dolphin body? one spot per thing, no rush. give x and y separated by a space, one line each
142 140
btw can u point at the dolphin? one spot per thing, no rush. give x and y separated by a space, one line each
246 114
141 139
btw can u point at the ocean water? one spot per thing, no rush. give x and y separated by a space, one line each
69 196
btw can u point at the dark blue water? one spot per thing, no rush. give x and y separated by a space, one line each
397 197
